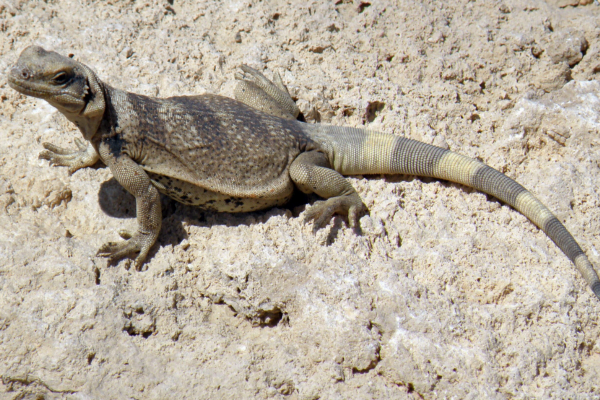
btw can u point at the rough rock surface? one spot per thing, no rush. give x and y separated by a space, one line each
447 294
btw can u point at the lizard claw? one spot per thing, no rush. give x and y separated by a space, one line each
137 242
322 211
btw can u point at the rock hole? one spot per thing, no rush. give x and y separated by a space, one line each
271 319
373 109
362 6
96 275
133 331
474 117
130 331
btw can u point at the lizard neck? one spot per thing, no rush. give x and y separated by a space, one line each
87 126
89 119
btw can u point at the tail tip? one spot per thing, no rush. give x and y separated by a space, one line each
596 289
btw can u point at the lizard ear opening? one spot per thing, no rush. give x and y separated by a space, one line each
94 96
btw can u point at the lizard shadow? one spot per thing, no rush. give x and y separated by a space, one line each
116 202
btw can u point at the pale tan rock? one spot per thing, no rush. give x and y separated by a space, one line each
567 46
446 294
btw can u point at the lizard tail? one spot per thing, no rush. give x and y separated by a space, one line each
353 151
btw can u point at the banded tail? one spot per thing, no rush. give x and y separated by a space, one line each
353 151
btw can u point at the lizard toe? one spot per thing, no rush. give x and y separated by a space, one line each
85 156
125 234
51 148
135 243
354 214
49 155
116 250
322 211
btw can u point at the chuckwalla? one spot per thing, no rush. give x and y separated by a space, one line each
226 155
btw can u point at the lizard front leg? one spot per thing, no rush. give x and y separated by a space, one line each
147 200
86 156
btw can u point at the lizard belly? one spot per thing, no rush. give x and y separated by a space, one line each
190 194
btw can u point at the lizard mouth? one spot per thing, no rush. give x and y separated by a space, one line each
21 85
20 80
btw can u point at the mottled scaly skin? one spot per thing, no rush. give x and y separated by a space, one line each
192 146
226 155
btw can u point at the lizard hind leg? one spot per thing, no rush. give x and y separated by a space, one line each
312 173
258 92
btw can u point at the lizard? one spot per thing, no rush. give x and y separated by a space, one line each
242 155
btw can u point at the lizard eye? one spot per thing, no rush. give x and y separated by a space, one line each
60 78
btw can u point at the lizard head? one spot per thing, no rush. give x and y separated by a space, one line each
66 84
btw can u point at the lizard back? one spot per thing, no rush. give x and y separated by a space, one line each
209 141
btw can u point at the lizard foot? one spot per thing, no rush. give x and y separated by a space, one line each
272 97
85 156
135 242
322 211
